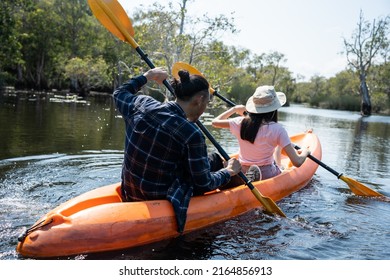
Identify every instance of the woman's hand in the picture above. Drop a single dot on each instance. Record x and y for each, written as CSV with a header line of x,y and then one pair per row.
x,y
240,109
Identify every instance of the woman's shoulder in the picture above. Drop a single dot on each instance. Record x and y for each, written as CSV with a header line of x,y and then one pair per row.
x,y
276,125
236,120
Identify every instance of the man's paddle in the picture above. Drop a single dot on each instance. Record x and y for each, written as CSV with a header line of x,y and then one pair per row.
x,y
111,14
356,187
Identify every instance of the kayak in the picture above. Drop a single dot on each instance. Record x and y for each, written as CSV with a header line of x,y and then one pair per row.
x,y
98,220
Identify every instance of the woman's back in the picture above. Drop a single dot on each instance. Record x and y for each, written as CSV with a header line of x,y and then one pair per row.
x,y
269,136
259,133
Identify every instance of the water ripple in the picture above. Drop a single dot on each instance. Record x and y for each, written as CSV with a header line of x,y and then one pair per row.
x,y
31,186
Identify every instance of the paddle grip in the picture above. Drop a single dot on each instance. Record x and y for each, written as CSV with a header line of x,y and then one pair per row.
x,y
231,103
145,58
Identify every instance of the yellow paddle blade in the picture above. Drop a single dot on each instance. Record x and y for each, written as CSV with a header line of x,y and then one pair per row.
x,y
191,69
358,188
269,205
184,66
113,17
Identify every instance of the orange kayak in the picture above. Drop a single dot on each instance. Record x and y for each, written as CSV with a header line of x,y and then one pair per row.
x,y
99,221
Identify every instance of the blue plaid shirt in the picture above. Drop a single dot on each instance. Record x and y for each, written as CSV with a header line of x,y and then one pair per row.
x,y
165,154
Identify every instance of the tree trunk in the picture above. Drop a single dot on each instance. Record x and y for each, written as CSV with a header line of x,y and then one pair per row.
x,y
365,109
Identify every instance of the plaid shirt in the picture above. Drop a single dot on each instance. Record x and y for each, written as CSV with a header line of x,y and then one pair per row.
x,y
165,154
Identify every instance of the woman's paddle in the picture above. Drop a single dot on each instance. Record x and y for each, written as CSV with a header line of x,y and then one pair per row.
x,y
356,187
111,14
192,70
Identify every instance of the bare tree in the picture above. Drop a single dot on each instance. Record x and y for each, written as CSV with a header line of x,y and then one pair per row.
x,y
275,60
369,41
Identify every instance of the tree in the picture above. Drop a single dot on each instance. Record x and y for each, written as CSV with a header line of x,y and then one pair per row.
x,y
381,88
342,91
274,60
74,25
11,12
174,36
87,73
369,41
40,47
317,90
255,66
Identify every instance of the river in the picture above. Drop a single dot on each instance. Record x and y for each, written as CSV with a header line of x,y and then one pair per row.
x,y
53,149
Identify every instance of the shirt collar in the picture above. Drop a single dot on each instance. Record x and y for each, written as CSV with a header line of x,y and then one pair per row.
x,y
176,107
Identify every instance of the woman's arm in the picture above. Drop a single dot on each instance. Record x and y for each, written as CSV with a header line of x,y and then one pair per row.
x,y
222,120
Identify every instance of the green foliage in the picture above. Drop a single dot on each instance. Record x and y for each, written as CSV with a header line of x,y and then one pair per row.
x,y
49,44
381,103
242,87
379,85
11,12
40,48
86,73
157,31
349,103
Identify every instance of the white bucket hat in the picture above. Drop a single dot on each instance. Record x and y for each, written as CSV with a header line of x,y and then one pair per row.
x,y
265,100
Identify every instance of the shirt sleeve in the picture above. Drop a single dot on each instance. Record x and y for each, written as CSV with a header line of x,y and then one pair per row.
x,y
235,126
284,139
124,96
203,179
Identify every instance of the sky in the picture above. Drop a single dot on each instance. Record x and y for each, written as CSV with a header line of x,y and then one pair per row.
x,y
308,32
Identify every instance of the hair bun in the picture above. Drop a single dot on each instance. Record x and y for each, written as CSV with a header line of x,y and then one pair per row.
x,y
184,76
188,85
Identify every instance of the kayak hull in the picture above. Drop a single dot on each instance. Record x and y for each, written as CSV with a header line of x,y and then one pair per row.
x,y
98,220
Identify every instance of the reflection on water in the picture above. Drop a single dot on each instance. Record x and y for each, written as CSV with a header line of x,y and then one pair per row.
x,y
51,152
28,128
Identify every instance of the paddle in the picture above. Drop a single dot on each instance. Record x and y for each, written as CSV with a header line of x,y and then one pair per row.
x,y
356,187
113,17
110,13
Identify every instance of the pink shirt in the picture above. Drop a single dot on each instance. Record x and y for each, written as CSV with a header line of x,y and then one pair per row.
x,y
261,151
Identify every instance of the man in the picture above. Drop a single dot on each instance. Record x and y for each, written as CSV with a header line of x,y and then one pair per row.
x,y
165,152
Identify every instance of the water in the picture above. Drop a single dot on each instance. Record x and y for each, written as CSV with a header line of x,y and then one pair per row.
x,y
51,152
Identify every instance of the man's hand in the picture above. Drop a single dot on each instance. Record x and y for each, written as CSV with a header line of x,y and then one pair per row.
x,y
157,74
233,166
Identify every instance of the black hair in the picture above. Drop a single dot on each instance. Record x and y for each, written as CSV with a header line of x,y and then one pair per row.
x,y
188,85
252,122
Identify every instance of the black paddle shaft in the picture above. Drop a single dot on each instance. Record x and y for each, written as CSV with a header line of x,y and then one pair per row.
x,y
216,93
321,163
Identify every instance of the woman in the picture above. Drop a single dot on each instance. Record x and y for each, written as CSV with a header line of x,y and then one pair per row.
x,y
261,138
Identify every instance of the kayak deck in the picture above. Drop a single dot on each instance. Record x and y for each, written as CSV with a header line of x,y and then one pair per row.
x,y
99,221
